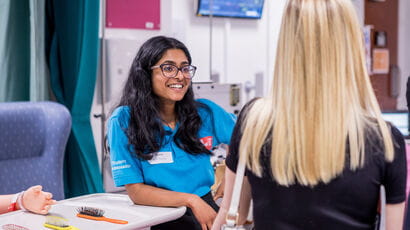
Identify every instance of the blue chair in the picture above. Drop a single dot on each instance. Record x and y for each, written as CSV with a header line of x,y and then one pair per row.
x,y
33,136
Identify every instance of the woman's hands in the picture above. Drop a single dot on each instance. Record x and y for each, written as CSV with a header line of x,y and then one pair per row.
x,y
37,201
204,213
149,195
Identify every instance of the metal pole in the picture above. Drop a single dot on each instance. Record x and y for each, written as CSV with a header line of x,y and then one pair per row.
x,y
102,89
211,6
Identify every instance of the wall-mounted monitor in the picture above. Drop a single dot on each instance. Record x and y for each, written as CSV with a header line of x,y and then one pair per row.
x,y
400,119
231,8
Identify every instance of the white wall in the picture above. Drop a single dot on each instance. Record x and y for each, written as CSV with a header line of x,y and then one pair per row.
x,y
241,47
359,5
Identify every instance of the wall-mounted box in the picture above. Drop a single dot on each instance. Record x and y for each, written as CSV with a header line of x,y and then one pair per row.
x,y
133,14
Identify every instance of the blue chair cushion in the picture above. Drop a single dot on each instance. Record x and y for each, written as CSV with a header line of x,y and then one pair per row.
x,y
33,136
23,131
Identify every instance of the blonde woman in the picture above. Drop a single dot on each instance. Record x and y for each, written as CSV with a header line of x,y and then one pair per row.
x,y
316,149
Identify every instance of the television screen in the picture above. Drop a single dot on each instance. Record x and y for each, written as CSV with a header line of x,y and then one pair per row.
x,y
400,119
231,8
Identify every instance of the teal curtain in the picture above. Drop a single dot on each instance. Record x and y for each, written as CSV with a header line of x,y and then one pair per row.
x,y
23,69
39,75
73,56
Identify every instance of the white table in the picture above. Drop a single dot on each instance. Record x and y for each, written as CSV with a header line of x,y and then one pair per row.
x,y
117,206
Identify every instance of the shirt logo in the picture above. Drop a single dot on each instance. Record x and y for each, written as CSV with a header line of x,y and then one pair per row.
x,y
121,164
207,141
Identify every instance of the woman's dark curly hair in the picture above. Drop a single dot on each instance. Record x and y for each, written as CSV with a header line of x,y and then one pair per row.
x,y
145,131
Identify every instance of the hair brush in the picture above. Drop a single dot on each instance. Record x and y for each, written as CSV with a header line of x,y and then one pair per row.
x,y
97,214
58,223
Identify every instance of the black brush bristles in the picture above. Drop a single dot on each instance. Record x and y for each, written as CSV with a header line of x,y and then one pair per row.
x,y
90,211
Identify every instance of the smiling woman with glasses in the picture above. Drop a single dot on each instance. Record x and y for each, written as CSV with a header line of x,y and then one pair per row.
x,y
160,137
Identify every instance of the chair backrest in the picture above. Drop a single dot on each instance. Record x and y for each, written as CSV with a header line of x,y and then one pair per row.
x,y
33,136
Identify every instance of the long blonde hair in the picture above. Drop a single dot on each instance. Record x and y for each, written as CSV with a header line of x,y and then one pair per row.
x,y
321,98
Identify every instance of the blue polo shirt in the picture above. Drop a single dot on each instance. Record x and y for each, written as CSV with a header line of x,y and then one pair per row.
x,y
172,168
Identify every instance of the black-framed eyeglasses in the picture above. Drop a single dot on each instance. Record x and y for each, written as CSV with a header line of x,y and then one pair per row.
x,y
171,70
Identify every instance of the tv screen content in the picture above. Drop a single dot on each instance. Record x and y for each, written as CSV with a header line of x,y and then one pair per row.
x,y
400,119
231,8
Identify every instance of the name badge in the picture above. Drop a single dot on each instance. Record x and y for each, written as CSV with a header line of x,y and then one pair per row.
x,y
161,158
